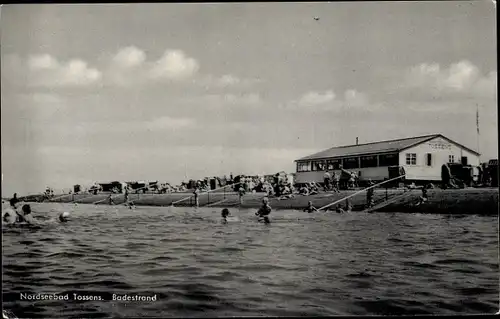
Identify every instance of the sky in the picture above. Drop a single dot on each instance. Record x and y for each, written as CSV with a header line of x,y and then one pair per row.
x,y
174,91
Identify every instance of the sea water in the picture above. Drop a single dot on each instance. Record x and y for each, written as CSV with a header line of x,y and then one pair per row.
x,y
299,265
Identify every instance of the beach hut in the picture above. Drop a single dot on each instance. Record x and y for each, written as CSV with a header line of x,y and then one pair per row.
x,y
420,157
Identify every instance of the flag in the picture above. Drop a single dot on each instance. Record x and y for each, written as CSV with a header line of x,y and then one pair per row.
x,y
477,120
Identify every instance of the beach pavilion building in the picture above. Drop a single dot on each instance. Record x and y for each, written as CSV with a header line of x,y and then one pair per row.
x,y
419,157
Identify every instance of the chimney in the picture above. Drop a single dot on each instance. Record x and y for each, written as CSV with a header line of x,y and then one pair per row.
x,y
357,140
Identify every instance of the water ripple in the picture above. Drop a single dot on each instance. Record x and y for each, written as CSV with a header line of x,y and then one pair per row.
x,y
322,265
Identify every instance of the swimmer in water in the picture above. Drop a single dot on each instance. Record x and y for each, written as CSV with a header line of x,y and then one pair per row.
x,y
264,211
27,217
340,210
310,208
130,205
225,213
11,215
14,200
63,217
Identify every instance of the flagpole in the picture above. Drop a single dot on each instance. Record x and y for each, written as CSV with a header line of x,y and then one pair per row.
x,y
477,129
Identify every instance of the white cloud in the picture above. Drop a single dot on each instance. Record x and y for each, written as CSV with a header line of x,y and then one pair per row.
x,y
43,70
43,61
129,57
328,101
353,98
224,82
174,64
225,100
460,77
166,123
228,80
129,66
245,99
316,98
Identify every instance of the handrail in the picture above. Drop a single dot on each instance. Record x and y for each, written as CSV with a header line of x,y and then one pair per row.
x,y
59,197
209,191
359,192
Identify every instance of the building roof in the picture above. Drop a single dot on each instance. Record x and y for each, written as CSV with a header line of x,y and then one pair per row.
x,y
389,146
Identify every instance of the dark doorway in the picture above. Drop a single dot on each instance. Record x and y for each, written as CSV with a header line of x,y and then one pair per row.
x,y
464,160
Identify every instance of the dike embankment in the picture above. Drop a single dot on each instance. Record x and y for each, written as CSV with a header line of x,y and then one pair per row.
x,y
481,201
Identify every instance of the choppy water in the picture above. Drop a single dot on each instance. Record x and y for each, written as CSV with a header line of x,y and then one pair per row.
x,y
301,264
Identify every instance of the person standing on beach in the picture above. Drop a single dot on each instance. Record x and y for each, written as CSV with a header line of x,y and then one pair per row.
x,y
326,180
445,176
335,182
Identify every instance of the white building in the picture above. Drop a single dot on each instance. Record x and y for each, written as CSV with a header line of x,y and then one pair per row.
x,y
421,158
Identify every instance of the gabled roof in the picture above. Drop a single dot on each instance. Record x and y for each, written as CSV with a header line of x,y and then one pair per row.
x,y
389,146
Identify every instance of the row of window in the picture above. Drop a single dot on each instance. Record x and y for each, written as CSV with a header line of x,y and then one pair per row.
x,y
365,162
350,163
411,159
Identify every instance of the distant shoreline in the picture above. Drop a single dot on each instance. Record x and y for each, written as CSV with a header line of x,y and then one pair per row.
x,y
481,201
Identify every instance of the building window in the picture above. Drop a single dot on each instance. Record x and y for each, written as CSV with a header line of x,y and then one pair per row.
x,y
368,161
429,159
350,162
451,158
318,165
411,159
464,160
388,160
333,164
303,166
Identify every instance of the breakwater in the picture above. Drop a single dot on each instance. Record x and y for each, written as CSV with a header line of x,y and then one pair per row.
x,y
483,201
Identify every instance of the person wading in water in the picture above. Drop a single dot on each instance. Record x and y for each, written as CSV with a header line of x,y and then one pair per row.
x,y
310,208
196,193
264,211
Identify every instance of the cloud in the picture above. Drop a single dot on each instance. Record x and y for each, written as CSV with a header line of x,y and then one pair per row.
x,y
328,101
243,99
459,78
228,80
129,66
169,123
129,57
353,98
45,71
43,61
174,64
223,100
316,98
225,81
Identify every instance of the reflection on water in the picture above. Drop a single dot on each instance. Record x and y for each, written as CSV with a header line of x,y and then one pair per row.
x,y
301,264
